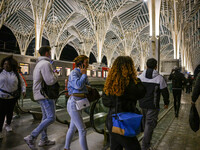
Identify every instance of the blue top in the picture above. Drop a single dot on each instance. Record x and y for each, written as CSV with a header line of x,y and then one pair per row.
x,y
77,82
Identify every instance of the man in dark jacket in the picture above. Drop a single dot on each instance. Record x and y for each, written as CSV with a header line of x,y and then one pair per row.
x,y
196,91
178,80
155,84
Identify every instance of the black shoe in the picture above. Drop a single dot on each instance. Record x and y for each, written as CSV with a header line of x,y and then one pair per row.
x,y
176,115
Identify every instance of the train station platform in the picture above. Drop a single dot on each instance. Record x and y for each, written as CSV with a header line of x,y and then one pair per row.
x,y
170,134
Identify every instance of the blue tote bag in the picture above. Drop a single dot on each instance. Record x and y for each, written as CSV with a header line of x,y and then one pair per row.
x,y
126,123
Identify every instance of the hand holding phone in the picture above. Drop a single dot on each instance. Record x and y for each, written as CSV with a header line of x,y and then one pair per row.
x,y
83,69
56,71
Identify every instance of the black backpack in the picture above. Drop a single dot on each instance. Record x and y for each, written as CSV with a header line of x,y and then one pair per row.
x,y
50,91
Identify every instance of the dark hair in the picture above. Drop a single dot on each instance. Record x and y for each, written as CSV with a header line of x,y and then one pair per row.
x,y
79,60
151,63
12,62
44,49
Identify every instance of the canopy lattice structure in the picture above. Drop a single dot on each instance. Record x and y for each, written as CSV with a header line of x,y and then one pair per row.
x,y
108,27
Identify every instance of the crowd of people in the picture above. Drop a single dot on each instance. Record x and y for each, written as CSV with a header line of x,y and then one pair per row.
x,y
123,88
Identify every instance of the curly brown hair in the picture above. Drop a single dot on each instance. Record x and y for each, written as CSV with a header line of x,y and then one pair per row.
x,y
120,75
79,60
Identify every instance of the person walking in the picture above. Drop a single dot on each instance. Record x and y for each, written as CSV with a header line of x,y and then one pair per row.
x,y
11,87
77,89
155,84
196,90
189,83
178,80
122,88
16,109
43,72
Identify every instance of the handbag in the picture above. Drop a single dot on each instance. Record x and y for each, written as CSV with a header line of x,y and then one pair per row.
x,y
194,118
83,103
93,94
126,123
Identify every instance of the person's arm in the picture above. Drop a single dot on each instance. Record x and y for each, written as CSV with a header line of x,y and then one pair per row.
x,y
48,75
164,91
170,76
184,80
78,81
165,94
196,90
107,101
23,85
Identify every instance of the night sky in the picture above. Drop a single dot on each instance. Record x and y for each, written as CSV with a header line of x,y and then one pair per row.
x,y
8,43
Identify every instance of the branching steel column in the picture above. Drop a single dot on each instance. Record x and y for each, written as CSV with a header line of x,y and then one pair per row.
x,y
40,10
154,18
175,32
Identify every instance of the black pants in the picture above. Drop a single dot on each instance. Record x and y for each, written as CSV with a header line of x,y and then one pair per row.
x,y
177,99
6,110
118,142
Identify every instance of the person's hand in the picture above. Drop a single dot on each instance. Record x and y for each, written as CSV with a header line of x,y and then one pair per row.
x,y
83,69
193,103
24,94
56,71
165,106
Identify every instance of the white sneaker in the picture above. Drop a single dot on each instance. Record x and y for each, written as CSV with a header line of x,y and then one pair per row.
x,y
1,135
30,141
8,128
46,143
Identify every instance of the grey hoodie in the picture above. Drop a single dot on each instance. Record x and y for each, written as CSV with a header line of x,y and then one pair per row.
x,y
43,71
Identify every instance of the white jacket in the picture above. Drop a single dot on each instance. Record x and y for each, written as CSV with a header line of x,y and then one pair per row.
x,y
9,83
43,71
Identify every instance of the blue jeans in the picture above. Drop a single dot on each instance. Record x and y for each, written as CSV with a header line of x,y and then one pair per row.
x,y
48,117
76,123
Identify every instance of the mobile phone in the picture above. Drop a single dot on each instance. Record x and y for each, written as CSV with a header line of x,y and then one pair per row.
x,y
80,64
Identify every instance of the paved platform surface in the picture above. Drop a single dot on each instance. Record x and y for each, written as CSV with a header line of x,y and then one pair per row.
x,y
171,133
179,136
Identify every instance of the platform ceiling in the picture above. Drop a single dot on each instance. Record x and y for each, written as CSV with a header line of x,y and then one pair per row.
x,y
122,26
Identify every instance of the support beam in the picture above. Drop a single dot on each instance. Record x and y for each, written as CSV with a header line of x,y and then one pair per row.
x,y
154,18
40,10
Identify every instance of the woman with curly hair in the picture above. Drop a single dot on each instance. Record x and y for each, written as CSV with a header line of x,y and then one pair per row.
x,y
122,85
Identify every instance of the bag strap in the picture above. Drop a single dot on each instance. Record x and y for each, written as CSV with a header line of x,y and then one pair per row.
x,y
5,92
116,104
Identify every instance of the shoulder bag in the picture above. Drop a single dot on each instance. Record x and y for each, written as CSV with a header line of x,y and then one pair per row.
x,y
82,104
50,91
126,123
93,94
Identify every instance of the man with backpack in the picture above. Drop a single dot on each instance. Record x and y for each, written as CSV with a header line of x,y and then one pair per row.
x,y
178,80
43,72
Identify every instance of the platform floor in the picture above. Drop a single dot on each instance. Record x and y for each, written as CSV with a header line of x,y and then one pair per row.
x,y
171,133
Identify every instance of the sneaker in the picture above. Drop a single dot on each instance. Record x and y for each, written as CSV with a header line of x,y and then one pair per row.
x,y
30,141
16,117
46,143
8,128
1,135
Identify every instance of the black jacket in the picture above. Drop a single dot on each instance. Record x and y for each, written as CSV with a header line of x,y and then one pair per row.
x,y
155,85
196,90
125,103
178,80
